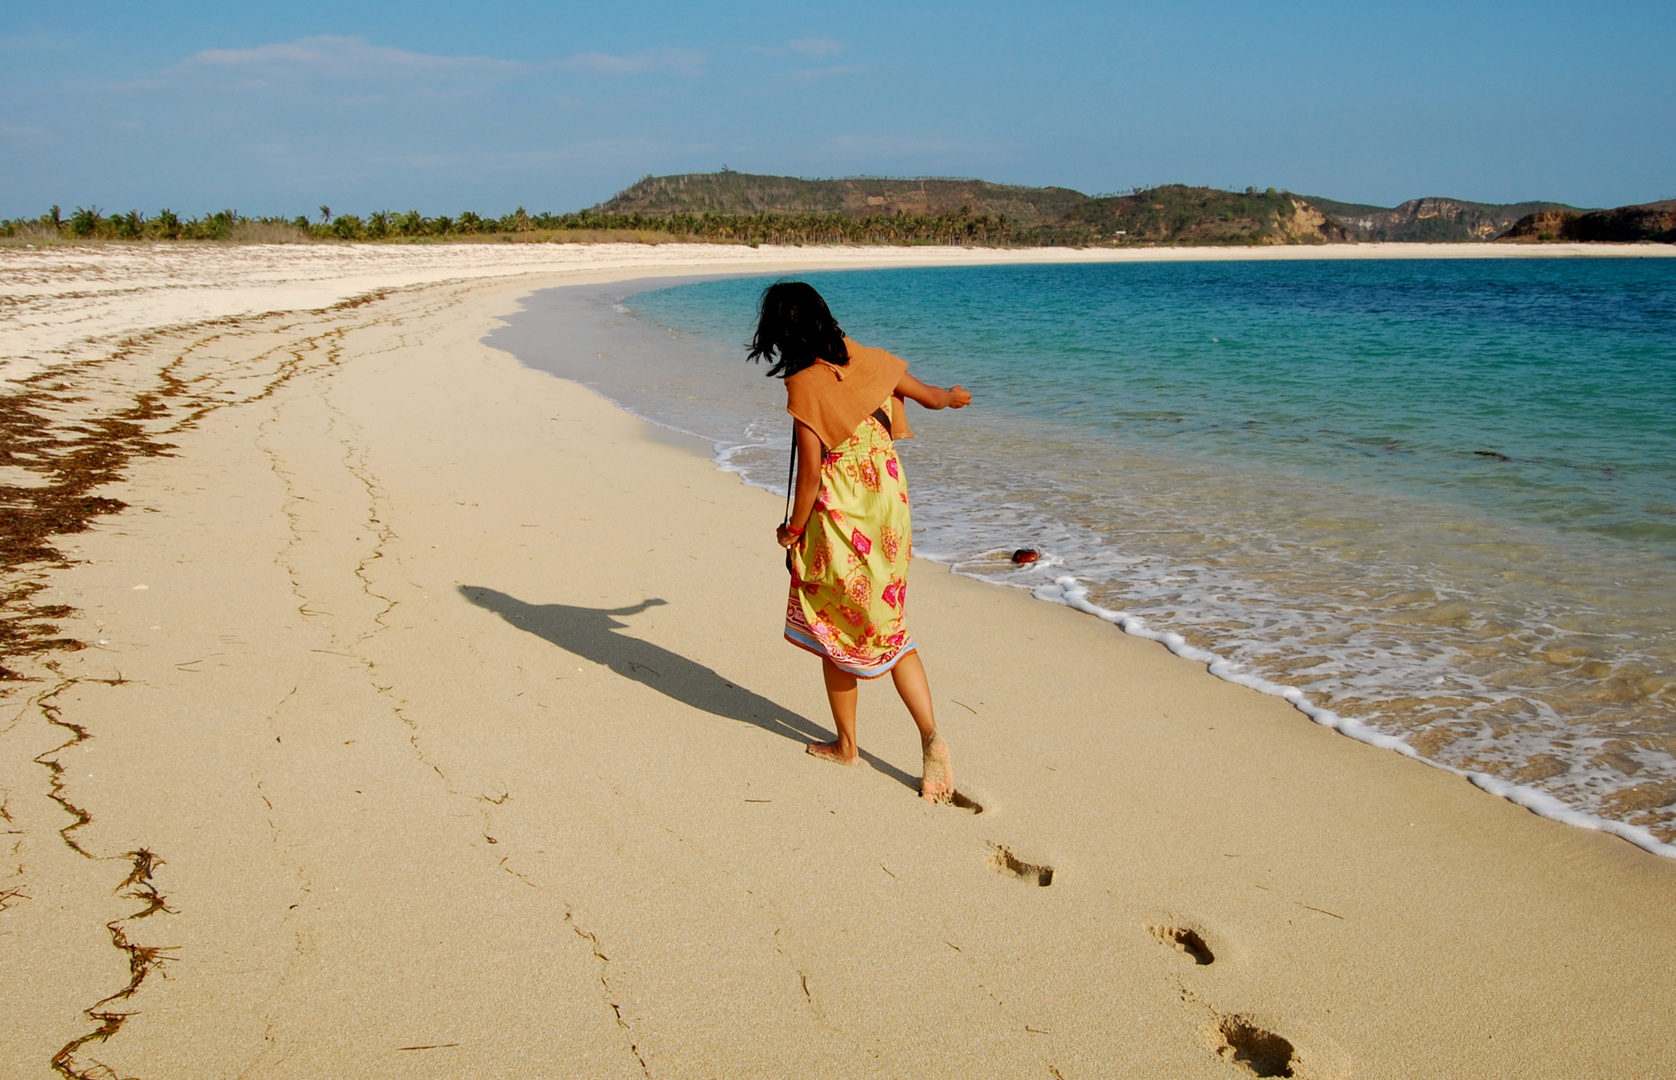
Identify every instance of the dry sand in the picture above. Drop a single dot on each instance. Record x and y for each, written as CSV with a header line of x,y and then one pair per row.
x,y
435,721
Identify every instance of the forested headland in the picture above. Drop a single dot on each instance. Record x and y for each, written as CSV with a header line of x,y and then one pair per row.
x,y
742,208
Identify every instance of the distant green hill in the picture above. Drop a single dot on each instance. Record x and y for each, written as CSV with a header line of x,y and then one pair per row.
x,y
1172,213
1179,214
743,208
854,197
1167,214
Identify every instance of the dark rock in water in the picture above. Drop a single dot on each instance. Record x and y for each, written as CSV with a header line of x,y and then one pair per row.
x,y
1026,555
1496,455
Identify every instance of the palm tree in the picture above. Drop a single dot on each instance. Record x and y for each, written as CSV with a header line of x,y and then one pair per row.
x,y
86,220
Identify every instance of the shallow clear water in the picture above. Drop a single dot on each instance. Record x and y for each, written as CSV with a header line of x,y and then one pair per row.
x,y
1437,496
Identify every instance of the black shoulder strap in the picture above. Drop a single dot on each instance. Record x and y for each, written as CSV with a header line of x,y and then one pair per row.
x,y
791,472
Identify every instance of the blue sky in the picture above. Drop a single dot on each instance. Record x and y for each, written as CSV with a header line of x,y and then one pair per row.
x,y
442,107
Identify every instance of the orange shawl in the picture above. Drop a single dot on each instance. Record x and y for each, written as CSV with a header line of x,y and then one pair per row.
x,y
834,400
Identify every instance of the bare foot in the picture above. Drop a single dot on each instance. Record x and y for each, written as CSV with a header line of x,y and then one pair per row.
x,y
938,783
828,751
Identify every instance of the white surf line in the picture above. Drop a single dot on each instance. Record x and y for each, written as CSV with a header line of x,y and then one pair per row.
x,y
1067,590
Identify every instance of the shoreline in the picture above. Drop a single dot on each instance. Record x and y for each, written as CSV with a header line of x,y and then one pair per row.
x,y
1069,591
237,281
390,821
1366,248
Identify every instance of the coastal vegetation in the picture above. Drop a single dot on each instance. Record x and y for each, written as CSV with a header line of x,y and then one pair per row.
x,y
1166,214
742,208
1179,214
91,223
1160,214
730,193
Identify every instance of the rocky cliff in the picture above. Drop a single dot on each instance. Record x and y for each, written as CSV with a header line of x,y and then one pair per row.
x,y
1430,220
1655,221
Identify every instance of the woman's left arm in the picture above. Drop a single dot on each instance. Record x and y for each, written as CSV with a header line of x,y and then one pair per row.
x,y
932,397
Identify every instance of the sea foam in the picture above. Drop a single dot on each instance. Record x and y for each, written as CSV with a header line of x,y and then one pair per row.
x,y
1068,591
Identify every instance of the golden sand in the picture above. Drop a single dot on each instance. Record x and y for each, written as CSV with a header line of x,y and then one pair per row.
x,y
405,743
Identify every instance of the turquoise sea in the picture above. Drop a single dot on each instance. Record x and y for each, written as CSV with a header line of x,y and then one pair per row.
x,y
1433,502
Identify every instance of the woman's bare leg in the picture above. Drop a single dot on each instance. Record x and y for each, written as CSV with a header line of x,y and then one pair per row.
x,y
841,695
915,689
937,783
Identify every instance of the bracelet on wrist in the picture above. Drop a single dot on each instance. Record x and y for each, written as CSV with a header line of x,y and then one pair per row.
x,y
793,530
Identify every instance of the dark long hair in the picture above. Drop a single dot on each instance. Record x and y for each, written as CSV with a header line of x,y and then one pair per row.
x,y
794,329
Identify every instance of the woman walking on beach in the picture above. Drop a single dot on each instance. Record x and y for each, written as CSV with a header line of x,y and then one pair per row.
x,y
849,532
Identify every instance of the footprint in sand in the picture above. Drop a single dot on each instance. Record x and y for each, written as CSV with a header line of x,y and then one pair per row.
x,y
1235,1037
1004,861
1263,1053
1186,939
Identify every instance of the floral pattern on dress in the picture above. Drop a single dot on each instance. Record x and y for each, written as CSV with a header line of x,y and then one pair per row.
x,y
849,586
821,561
859,588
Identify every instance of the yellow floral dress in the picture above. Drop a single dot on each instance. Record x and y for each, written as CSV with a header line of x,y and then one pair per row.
x,y
849,579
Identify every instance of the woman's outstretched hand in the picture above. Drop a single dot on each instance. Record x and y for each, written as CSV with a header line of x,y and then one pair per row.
x,y
933,397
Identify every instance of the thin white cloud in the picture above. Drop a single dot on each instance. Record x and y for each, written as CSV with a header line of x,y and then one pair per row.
x,y
354,59
677,61
38,45
816,47
26,133
836,71
344,57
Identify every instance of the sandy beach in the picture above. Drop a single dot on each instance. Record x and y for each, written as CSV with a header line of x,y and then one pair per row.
x,y
433,719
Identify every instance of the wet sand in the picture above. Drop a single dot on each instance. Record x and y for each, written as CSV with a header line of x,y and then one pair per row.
x,y
434,720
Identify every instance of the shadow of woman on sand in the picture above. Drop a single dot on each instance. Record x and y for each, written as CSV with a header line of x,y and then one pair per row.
x,y
592,633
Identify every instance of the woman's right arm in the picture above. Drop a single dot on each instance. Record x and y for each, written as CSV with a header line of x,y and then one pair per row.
x,y
809,459
932,397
